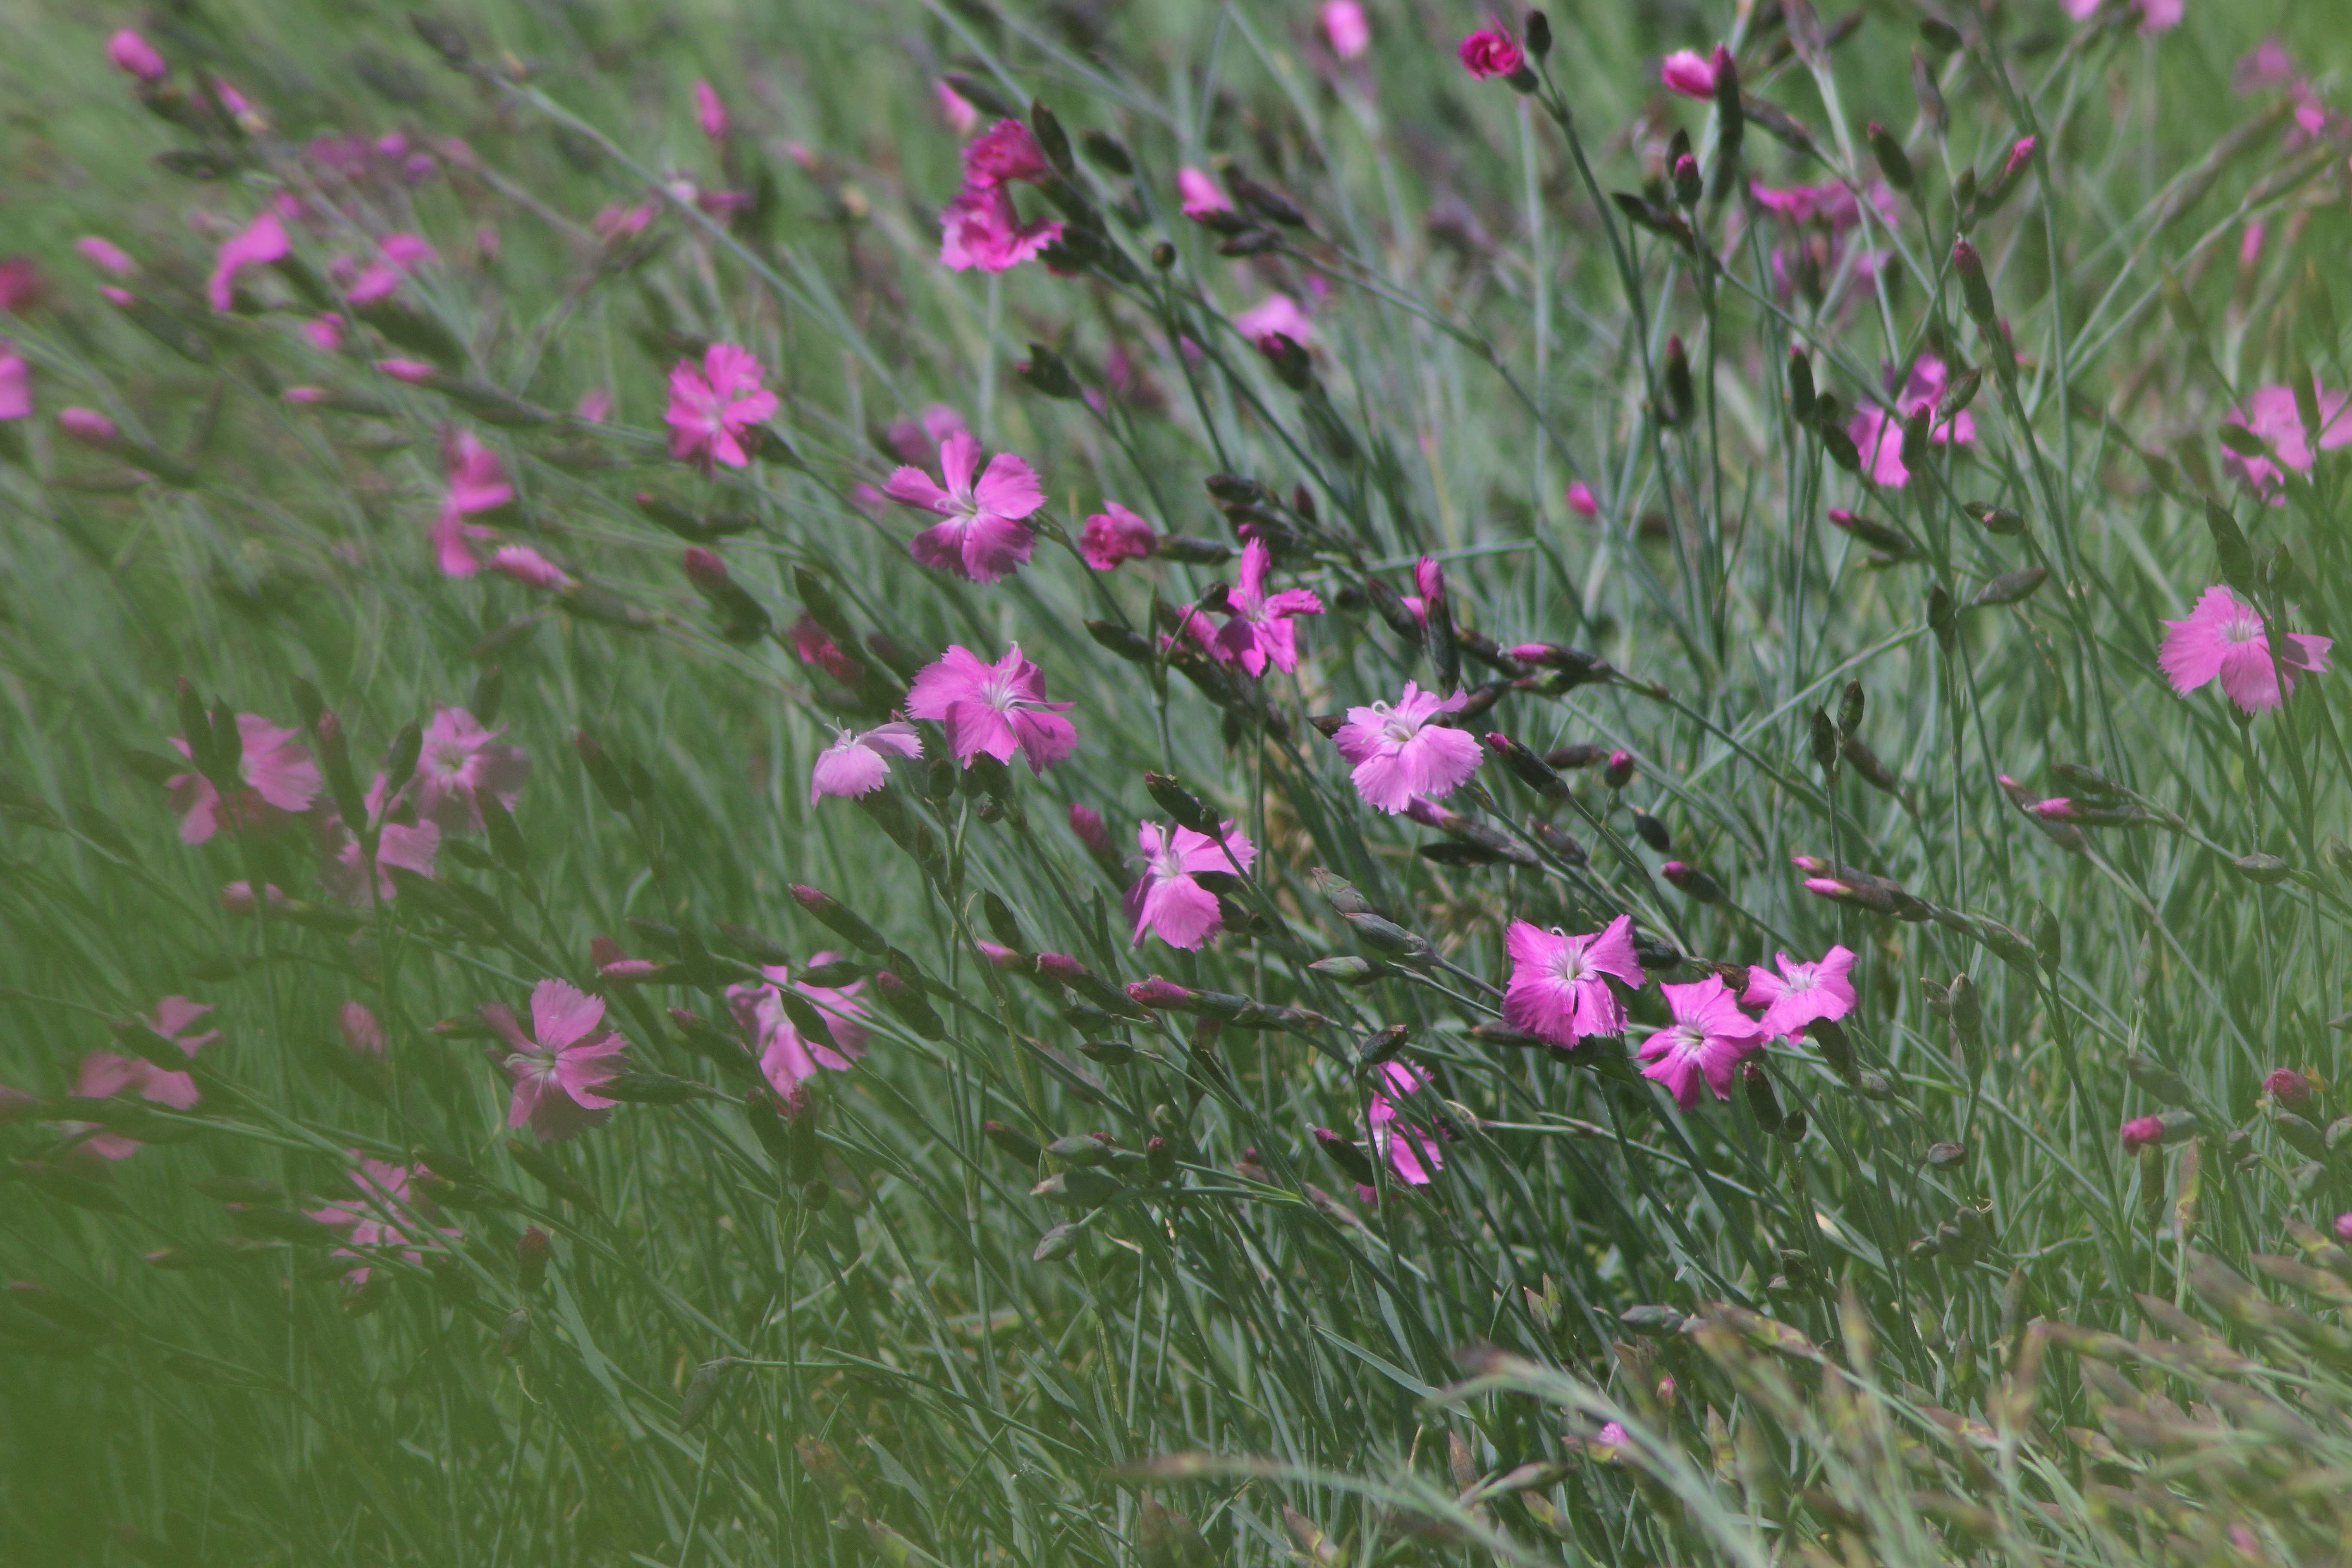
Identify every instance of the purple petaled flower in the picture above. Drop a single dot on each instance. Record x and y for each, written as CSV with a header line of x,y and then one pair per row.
x,y
859,764
1168,901
1257,629
1115,534
135,56
476,481
997,708
1801,992
401,255
983,537
1559,989
1276,315
2020,152
104,1074
1346,29
16,384
1877,434
1708,1039
1581,500
713,407
375,1220
463,764
709,113
1399,754
402,844
1689,73
981,227
2142,1132
1410,1150
1491,52
560,1065
1199,193
281,782
2224,639
2270,414
258,244
786,1056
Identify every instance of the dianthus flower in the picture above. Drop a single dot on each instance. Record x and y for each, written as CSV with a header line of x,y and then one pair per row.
x,y
476,481
104,1074
1398,753
1559,989
462,764
560,1065
1275,315
2223,639
279,776
712,407
135,56
997,708
1345,25
1707,1040
1491,52
1411,1150
1877,435
2270,414
1689,73
401,844
1257,629
1801,992
982,537
1199,192
859,764
374,1218
1168,901
258,244
786,1056
1115,534
981,227
400,255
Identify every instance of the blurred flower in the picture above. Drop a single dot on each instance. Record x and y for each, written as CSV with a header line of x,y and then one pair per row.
x,y
1345,25
1559,989
407,372
2265,65
1689,73
1086,824
2142,1132
134,56
527,566
1491,52
1428,589
983,537
20,284
994,707
2270,412
859,764
960,115
462,762
1877,434
1708,1039
2223,639
709,113
1257,629
1275,314
711,407
2155,15
88,427
476,482
279,773
1581,500
1167,901
614,224
104,1074
1410,1150
594,407
324,334
1399,754
361,1031
2344,1227
1199,192
981,228
106,254
374,1219
1111,535
405,845
258,244
401,254
1801,992
558,1068
16,384
786,1056
813,647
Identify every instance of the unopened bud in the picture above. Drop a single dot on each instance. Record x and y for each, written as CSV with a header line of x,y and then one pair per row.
x,y
906,1003
533,1248
1701,888
845,922
1619,773
1016,1144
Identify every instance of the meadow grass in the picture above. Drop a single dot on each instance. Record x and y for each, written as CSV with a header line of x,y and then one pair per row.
x,y
1908,1295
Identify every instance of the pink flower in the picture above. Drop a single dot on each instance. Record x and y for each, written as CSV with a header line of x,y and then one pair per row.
x,y
400,846
324,334
2266,65
104,1074
1199,193
1005,151
106,254
960,114
2223,638
2270,412
994,707
2155,15
2288,1087
785,1055
1878,434
279,773
1429,589
88,427
983,537
1398,753
712,407
1491,52
2344,1227
981,228
407,372
1257,627
1581,500
1410,1150
258,244
558,1068
2142,1132
1112,536
527,566
1559,987
16,385
1689,73
1708,1039
360,1030
810,642
615,224
401,255
134,56
374,1218
595,406
857,765
477,482
1801,992
1167,901
1344,24
709,113
461,765
1275,314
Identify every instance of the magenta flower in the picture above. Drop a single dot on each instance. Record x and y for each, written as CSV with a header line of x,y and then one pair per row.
x,y
360,1028
711,409
1345,25
857,765
1877,435
1398,753
1199,194
1257,629
955,108
2142,1132
2270,412
2155,15
88,427
1689,73
785,1055
106,254
258,244
558,1068
915,439
374,1218
2223,639
983,537
709,113
135,56
1708,1039
1801,992
812,646
1005,152
1581,500
521,564
463,764
104,1074
1428,588
280,775
2288,1087
1560,984
1275,315
405,845
981,228
997,708
476,482
16,384
1491,52
616,224
1167,901
402,254
1410,1150
2342,1227
1115,534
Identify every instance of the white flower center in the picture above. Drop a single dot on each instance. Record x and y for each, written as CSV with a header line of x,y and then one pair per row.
x,y
2241,627
1571,967
1801,979
1687,1039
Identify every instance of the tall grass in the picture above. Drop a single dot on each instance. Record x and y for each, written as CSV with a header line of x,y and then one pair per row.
x,y
1908,1297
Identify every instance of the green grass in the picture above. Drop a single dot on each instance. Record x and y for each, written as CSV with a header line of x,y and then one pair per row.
x,y
2073,1370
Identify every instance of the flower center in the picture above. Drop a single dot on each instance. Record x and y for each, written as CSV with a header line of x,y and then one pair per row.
x,y
2242,628
1803,979
1689,1039
1571,967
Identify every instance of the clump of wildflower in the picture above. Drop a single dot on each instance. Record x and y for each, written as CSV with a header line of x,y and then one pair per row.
x,y
1559,989
280,777
715,407
998,708
1399,753
1708,1039
982,536
1168,901
859,762
2223,639
558,1068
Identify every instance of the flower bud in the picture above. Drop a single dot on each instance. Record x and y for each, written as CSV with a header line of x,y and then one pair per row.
x,y
1975,292
906,1003
90,428
1159,995
1702,887
1620,769
1346,1154
1525,766
2289,1087
1763,1103
1893,162
844,921
1016,1144
703,1389
1181,805
532,1250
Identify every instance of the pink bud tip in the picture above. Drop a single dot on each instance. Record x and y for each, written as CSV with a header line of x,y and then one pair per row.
x,y
2343,1221
1581,500
88,427
999,956
2288,1087
361,1031
1826,887
2142,1132
529,567
1157,993
2020,155
134,56
706,569
106,255
629,971
415,373
1060,967
306,395
2058,808
1087,823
